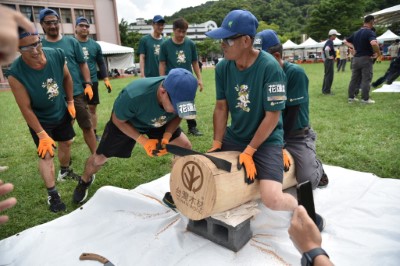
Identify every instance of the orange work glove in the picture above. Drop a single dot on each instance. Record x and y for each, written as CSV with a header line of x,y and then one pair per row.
x,y
89,91
165,140
216,146
46,144
286,160
246,159
108,85
149,145
71,109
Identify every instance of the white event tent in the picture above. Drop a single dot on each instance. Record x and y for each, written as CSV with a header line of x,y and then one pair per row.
x,y
117,56
387,36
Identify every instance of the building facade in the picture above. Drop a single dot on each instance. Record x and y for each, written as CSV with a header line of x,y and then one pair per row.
x,y
102,15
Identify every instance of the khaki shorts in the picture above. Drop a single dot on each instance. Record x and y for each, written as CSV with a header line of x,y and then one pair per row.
x,y
82,111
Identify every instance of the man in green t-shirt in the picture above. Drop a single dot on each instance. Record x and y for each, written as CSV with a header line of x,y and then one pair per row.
x,y
251,89
42,87
152,107
299,137
180,51
149,49
77,66
94,57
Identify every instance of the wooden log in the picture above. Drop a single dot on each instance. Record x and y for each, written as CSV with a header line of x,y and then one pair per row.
x,y
200,189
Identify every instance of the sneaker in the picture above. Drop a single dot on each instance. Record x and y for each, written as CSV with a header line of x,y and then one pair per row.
x,y
352,100
63,175
81,190
195,132
369,101
56,205
320,222
169,201
328,93
98,138
324,181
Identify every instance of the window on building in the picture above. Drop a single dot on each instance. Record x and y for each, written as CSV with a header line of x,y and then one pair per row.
x,y
36,11
27,11
66,15
89,14
79,13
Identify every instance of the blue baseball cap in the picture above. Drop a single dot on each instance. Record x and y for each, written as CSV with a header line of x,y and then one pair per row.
x,y
158,19
47,12
236,22
266,39
81,19
181,86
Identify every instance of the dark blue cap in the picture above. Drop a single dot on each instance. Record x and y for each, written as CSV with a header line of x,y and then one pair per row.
x,y
81,19
158,19
47,12
266,39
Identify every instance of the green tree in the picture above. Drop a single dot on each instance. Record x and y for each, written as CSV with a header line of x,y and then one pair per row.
x,y
208,48
130,39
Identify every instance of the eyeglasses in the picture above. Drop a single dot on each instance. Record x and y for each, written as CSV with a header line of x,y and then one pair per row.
x,y
84,26
30,47
231,40
51,22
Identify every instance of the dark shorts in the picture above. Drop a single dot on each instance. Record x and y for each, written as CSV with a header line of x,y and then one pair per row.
x,y
82,111
114,143
96,99
268,160
59,131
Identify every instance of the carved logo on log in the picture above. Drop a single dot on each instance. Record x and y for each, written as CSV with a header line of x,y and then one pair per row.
x,y
192,176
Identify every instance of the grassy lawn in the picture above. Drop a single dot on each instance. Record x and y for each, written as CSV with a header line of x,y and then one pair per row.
x,y
355,136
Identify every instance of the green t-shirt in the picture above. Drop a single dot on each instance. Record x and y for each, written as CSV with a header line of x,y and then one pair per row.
x,y
249,94
178,55
74,56
138,104
45,87
150,47
297,92
92,54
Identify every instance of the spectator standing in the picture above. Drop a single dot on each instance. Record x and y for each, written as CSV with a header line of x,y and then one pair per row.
x,y
366,48
42,87
394,49
329,54
343,50
94,58
77,66
299,137
180,52
149,49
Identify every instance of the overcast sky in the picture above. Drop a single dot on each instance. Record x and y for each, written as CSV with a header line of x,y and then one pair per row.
x,y
130,10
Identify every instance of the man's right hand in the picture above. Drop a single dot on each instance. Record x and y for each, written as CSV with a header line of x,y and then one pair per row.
x,y
149,145
46,144
216,146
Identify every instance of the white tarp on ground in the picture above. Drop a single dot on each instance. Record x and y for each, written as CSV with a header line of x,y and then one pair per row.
x,y
117,56
394,87
133,227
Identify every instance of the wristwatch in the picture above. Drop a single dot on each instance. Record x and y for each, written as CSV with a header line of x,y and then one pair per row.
x,y
308,257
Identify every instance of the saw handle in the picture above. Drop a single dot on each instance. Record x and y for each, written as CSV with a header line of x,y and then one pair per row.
x,y
93,256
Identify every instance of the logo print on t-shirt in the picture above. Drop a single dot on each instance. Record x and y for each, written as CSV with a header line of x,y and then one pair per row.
x,y
156,49
85,53
159,122
243,97
52,88
181,58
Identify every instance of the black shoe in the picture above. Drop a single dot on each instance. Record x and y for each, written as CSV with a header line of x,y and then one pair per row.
x,y
328,93
81,190
320,222
56,205
169,201
324,181
195,132
63,175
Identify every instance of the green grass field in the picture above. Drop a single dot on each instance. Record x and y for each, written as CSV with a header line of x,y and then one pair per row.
x,y
354,136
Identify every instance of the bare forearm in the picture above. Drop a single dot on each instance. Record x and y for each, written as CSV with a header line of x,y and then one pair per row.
x,y
265,129
173,125
85,72
220,119
125,127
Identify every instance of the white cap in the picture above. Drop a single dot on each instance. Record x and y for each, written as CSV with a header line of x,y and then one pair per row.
x,y
333,32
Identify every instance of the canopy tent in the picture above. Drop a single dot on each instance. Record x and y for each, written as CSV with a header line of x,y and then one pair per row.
x,y
117,56
388,36
388,15
309,43
289,45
